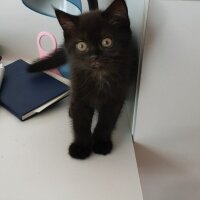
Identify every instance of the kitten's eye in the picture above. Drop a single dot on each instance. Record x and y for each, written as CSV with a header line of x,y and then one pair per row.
x,y
82,46
107,42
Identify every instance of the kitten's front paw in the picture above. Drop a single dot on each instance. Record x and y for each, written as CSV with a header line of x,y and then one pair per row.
x,y
78,151
102,147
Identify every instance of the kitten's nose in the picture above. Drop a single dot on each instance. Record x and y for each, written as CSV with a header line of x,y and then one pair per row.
x,y
93,57
94,63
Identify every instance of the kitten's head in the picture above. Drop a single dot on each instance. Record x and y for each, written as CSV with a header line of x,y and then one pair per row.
x,y
96,41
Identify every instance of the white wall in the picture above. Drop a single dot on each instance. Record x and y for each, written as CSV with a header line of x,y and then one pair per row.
x,y
19,29
20,25
167,132
137,13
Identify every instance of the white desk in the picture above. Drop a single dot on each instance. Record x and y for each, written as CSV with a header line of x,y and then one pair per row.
x,y
34,163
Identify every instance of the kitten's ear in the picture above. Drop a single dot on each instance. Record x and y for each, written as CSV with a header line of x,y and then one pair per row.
x,y
68,22
117,11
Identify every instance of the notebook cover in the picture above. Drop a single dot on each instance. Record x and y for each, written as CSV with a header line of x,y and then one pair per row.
x,y
22,92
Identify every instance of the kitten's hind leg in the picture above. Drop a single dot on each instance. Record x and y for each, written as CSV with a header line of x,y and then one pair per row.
x,y
81,148
107,119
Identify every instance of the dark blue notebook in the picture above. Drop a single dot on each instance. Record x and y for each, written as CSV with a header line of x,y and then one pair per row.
x,y
25,94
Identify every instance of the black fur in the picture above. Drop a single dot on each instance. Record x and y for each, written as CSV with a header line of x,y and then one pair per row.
x,y
55,59
101,76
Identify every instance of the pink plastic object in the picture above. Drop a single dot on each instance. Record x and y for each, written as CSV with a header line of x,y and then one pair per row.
x,y
42,52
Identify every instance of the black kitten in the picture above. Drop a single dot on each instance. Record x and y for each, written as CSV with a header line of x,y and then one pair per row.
x,y
103,58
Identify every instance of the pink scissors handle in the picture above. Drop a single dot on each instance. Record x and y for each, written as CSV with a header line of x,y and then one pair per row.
x,y
42,52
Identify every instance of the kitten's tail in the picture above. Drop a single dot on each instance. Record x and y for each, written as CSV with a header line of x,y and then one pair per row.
x,y
54,60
